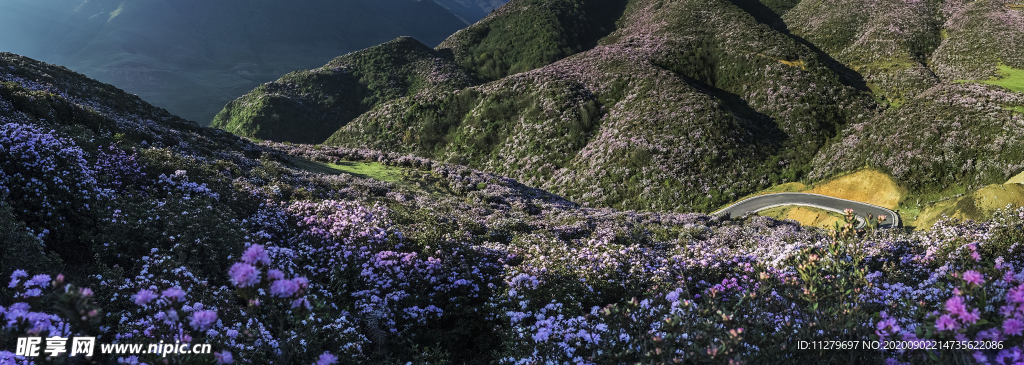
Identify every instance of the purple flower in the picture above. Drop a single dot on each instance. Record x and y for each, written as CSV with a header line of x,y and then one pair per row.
x,y
971,317
16,276
945,323
144,296
223,357
1016,295
890,324
7,357
991,334
301,302
955,305
283,288
256,254
974,277
41,280
1010,355
275,274
1013,326
202,320
301,281
174,294
327,359
244,275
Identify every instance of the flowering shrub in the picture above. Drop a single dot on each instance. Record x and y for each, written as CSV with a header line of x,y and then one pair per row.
x,y
48,174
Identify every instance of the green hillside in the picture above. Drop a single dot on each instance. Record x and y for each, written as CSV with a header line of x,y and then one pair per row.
x,y
307,106
887,42
527,34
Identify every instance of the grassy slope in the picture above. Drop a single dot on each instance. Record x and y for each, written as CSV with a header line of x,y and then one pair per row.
x,y
916,210
1010,78
864,185
669,102
977,205
370,170
307,106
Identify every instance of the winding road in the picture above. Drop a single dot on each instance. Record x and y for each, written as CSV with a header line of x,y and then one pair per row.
x,y
762,202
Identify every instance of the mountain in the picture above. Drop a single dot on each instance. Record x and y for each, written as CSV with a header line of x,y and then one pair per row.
x,y
191,57
625,104
687,105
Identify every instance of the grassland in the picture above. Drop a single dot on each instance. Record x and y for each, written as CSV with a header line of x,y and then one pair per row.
x,y
866,185
1018,179
1010,78
370,170
916,210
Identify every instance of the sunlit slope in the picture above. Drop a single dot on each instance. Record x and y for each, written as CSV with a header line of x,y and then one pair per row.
x,y
978,205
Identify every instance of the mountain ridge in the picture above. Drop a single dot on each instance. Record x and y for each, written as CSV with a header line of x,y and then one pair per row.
x,y
686,105
192,57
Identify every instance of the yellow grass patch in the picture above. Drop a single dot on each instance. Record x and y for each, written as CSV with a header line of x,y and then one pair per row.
x,y
797,63
978,205
804,215
866,186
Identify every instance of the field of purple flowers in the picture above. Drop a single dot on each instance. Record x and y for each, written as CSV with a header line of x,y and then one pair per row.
x,y
119,221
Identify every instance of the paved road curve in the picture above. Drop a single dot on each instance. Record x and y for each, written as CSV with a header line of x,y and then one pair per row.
x,y
762,202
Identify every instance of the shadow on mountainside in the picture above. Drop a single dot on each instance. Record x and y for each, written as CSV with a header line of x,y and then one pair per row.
x,y
765,129
765,15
